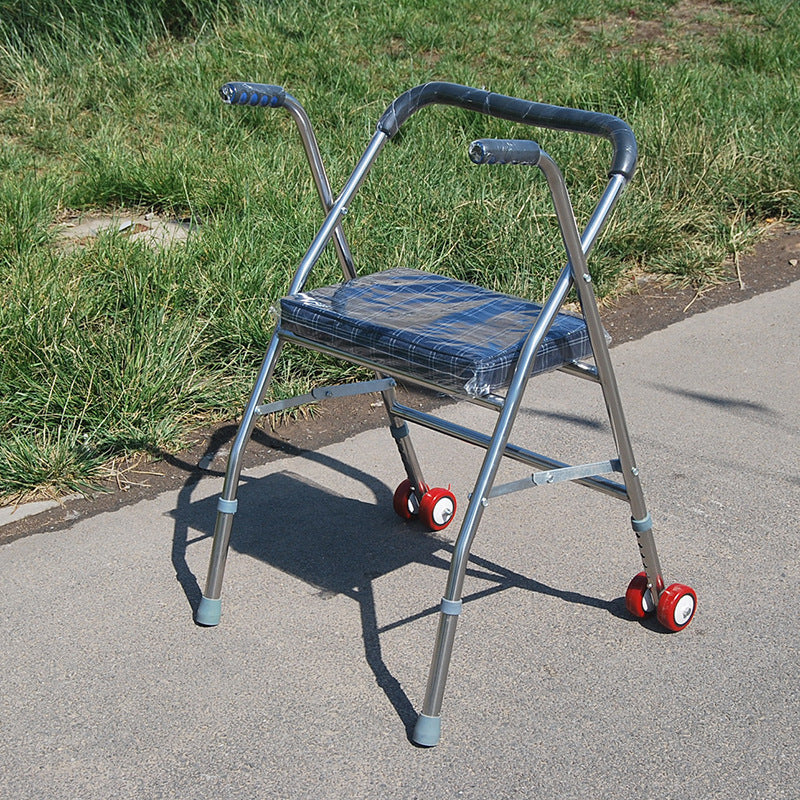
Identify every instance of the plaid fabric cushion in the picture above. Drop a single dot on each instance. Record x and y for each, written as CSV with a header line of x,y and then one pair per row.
x,y
461,337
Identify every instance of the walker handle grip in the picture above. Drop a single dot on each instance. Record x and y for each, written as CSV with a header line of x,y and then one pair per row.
x,y
525,111
238,93
504,151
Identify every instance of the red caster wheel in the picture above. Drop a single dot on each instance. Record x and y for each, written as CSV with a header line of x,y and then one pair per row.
x,y
437,508
638,598
405,500
676,606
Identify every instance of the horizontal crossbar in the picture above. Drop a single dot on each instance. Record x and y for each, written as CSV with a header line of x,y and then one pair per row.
x,y
327,392
512,451
551,476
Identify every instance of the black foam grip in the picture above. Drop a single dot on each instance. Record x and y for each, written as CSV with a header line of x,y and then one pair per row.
x,y
504,151
517,110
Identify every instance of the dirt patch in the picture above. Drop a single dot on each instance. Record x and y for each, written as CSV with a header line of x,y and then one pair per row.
x,y
80,228
687,20
773,264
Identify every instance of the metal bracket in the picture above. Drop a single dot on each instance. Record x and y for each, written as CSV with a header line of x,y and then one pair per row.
x,y
327,392
551,476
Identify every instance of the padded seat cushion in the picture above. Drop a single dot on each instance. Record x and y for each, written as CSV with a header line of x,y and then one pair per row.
x,y
458,336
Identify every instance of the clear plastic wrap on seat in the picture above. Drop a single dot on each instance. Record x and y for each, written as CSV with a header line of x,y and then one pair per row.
x,y
461,337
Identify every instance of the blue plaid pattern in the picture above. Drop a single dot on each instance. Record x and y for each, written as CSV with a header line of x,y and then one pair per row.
x,y
461,337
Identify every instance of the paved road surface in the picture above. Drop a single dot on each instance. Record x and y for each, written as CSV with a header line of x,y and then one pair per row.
x,y
308,687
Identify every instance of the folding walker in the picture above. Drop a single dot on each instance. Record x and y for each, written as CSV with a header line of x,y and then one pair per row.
x,y
460,339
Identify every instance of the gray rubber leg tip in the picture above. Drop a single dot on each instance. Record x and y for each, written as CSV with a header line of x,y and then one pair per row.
x,y
427,731
208,612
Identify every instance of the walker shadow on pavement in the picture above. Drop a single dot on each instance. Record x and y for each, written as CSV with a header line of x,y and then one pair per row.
x,y
340,545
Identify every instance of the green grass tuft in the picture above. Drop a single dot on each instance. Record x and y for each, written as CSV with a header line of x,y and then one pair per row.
x,y
114,347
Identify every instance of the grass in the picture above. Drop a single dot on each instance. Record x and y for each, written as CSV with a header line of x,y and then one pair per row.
x,y
116,348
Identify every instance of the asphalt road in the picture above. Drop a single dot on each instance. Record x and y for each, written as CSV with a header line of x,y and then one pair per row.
x,y
307,689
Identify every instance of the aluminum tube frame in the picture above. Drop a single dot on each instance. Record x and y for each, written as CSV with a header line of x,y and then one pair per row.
x,y
580,369
583,281
576,248
602,211
497,446
320,181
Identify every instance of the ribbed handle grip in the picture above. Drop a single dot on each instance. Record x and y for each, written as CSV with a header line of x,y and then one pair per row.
x,y
238,93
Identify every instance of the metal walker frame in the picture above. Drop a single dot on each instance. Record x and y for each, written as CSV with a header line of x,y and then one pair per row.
x,y
646,593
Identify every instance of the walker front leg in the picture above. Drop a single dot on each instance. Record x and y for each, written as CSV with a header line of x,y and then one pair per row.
x,y
427,730
210,608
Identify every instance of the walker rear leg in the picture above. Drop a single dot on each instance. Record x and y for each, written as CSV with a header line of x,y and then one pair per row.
x,y
644,591
676,604
413,497
402,438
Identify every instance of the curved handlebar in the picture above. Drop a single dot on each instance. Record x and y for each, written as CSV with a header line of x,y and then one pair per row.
x,y
511,108
504,151
237,93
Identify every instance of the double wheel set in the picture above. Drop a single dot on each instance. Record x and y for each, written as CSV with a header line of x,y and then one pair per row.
x,y
674,608
436,507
